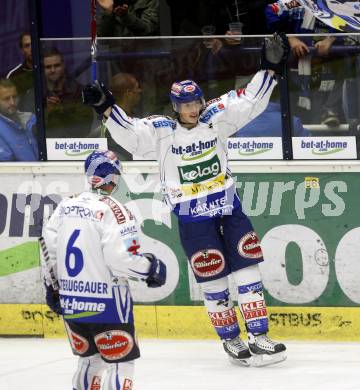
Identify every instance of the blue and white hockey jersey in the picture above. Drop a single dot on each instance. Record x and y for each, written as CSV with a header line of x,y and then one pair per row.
x,y
194,172
93,247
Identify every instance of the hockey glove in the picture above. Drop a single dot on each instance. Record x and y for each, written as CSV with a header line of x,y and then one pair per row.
x,y
53,299
275,53
157,273
98,96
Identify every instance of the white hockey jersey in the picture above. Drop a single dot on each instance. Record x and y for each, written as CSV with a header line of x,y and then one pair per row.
x,y
194,172
93,245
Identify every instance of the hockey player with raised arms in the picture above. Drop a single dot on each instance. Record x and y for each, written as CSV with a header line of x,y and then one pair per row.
x,y
90,250
217,237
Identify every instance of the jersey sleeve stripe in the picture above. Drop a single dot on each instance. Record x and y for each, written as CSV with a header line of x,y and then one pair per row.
x,y
266,74
114,117
120,115
269,85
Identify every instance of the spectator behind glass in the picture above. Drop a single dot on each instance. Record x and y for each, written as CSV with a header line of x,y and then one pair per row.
x,y
65,115
268,124
128,18
127,92
17,141
320,79
21,75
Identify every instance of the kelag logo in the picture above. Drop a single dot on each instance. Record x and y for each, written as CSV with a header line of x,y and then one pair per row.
x,y
250,148
196,173
324,147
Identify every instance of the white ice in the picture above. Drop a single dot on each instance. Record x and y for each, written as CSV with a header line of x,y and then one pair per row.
x,y
39,364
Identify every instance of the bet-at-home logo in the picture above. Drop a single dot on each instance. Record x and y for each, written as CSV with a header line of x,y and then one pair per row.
x,y
196,173
195,151
324,147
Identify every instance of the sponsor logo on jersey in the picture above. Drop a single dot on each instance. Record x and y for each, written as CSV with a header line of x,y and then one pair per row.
x,y
225,318
254,309
208,262
78,343
249,246
213,208
130,214
115,208
251,288
132,246
212,111
128,384
96,383
128,230
175,192
195,151
202,171
164,123
114,344
155,116
70,305
218,182
212,101
81,212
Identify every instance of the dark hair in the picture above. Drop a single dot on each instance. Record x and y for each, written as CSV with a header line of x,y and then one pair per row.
x,y
51,52
22,35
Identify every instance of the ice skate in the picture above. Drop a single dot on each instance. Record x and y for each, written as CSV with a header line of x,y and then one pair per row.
x,y
265,351
238,351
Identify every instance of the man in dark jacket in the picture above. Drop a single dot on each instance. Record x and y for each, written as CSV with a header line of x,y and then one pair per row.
x,y
129,18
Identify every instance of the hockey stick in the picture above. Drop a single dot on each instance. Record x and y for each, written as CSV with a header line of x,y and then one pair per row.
x,y
45,258
93,41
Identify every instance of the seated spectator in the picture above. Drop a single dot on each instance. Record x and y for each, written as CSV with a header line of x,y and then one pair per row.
x,y
268,124
127,93
65,115
17,141
128,18
21,75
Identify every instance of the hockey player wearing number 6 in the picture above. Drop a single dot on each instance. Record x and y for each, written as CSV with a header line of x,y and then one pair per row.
x,y
90,250
216,235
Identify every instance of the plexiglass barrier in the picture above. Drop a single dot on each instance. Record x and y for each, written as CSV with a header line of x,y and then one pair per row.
x,y
321,89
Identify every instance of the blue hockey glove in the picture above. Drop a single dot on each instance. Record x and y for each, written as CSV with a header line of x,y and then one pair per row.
x,y
157,273
53,299
98,96
275,52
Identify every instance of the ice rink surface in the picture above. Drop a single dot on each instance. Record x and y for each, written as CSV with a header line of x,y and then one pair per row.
x,y
39,364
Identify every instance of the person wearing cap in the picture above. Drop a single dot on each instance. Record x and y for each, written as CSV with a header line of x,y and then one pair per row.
x,y
217,237
91,249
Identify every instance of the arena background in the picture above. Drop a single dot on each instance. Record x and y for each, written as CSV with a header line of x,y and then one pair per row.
x,y
310,273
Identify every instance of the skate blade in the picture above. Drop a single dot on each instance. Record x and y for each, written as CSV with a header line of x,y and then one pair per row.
x,y
240,362
267,360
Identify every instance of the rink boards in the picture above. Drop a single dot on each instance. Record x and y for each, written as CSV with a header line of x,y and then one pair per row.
x,y
191,322
305,214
